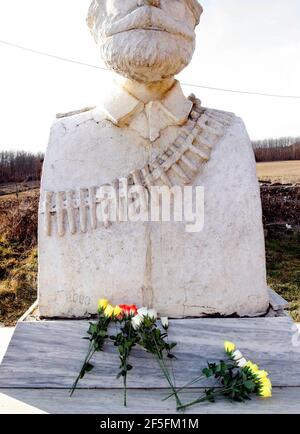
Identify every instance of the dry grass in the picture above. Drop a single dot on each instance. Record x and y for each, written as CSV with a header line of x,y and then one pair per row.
x,y
18,218
279,171
12,188
283,265
18,281
18,255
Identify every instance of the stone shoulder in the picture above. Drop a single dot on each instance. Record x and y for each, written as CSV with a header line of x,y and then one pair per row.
x,y
67,121
236,125
218,111
76,118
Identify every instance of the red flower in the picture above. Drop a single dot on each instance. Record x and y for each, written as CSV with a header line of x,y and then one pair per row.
x,y
129,310
133,309
125,309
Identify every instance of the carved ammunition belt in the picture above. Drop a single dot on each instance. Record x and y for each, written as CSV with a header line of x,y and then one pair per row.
x,y
77,210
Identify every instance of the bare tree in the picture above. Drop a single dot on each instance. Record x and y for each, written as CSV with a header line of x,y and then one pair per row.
x,y
280,149
20,166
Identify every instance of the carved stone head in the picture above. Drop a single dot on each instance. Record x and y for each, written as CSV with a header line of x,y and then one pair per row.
x,y
145,40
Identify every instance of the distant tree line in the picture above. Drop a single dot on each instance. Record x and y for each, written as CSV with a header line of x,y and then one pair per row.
x,y
20,166
281,149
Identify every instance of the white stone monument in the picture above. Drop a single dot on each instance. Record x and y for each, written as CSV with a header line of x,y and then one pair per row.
x,y
145,132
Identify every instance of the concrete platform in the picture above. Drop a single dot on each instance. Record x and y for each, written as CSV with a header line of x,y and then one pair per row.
x,y
9,404
44,358
57,401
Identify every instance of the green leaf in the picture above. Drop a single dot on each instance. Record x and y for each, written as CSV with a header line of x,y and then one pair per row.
x,y
250,386
210,395
207,372
92,329
89,367
86,368
171,356
102,333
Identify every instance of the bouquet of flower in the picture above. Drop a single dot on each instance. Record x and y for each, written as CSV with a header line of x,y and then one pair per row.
x,y
238,378
155,342
97,335
136,327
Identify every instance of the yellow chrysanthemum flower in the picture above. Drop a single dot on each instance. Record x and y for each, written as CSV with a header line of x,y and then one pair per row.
x,y
265,382
109,311
117,311
265,392
261,374
251,367
102,303
229,347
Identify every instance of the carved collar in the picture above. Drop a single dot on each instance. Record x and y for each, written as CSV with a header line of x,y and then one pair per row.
x,y
123,109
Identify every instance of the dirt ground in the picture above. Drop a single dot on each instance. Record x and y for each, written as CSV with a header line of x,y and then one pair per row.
x,y
17,188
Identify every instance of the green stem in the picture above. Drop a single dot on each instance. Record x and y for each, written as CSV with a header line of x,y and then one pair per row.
x,y
125,365
204,398
88,357
102,324
125,390
196,380
125,376
197,401
171,362
166,373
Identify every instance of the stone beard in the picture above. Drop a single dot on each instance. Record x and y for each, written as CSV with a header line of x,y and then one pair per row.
x,y
144,43
121,56
146,132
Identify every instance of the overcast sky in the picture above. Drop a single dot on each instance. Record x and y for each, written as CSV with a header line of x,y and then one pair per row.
x,y
250,45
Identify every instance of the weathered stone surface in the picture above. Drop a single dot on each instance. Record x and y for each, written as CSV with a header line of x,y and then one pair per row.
x,y
220,270
272,343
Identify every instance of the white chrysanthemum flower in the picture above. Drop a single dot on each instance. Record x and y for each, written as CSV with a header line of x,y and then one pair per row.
x,y
143,311
165,322
242,362
237,355
152,313
137,321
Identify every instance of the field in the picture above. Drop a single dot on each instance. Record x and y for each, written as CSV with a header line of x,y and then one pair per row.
x,y
279,171
17,188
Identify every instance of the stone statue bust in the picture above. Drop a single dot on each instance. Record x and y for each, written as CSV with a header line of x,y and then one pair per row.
x,y
145,132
